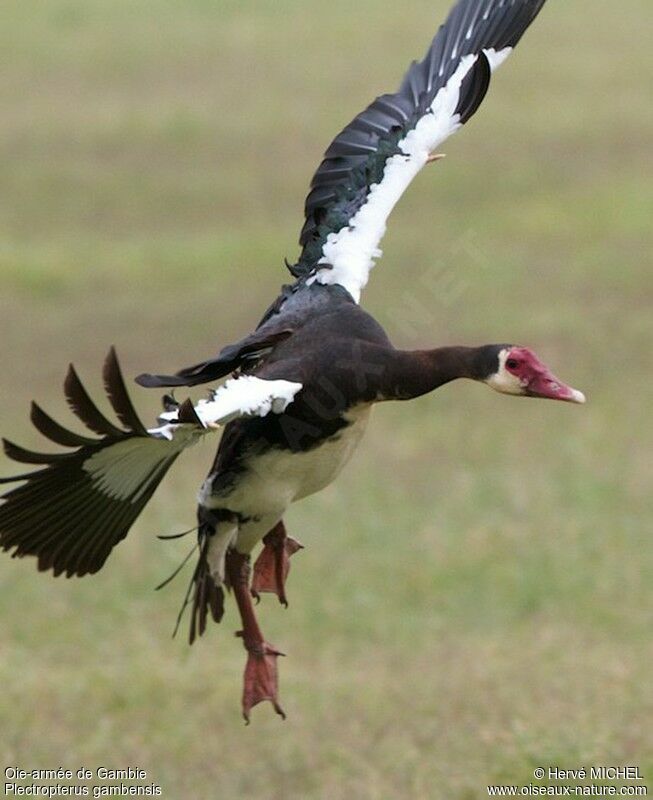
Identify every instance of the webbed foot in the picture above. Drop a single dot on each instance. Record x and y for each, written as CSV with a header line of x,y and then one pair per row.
x,y
260,681
273,564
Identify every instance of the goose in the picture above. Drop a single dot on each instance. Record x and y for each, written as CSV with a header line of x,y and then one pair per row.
x,y
298,388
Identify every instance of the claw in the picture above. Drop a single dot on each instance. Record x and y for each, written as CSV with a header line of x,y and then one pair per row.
x,y
260,680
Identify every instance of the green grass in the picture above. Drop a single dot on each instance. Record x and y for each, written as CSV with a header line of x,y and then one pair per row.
x,y
475,597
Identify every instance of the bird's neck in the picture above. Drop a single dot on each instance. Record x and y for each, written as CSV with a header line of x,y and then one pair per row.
x,y
416,372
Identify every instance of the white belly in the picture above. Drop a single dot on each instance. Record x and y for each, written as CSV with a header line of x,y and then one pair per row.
x,y
277,478
319,467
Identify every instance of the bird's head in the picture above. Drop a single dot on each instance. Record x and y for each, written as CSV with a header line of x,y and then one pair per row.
x,y
510,369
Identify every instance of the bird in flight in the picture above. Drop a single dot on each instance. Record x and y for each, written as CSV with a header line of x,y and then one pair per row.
x,y
300,386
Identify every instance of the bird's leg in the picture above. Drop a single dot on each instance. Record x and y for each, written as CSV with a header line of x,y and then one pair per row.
x,y
272,565
260,678
435,157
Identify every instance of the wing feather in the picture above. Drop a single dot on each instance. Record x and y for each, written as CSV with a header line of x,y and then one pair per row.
x,y
118,397
371,162
73,511
20,454
54,431
84,408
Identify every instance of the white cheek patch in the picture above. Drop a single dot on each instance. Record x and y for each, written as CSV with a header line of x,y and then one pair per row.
x,y
504,381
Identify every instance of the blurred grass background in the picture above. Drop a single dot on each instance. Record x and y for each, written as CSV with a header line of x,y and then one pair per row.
x,y
475,598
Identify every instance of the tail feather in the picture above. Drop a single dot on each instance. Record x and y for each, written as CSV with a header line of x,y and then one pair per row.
x,y
208,593
208,597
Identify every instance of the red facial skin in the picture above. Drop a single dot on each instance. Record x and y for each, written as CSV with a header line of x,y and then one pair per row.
x,y
537,379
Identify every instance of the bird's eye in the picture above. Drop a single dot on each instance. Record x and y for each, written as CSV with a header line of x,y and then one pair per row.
x,y
511,363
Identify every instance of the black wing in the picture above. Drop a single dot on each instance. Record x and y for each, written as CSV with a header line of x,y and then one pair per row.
x,y
78,505
436,97
246,352
72,511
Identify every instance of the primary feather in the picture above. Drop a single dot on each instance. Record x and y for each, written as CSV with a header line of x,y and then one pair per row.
x,y
369,165
80,504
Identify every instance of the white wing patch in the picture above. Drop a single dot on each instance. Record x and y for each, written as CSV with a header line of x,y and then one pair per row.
x,y
125,470
88,498
350,252
246,396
